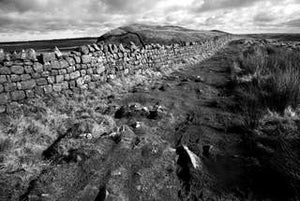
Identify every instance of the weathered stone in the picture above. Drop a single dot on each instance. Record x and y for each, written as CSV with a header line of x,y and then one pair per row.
x,y
62,71
29,93
48,89
86,59
41,81
25,77
1,88
15,78
95,46
57,53
31,54
64,64
89,71
71,69
28,69
2,55
18,95
54,72
10,87
3,79
77,59
28,84
72,84
96,77
83,49
100,69
5,71
35,75
38,67
23,55
17,69
7,57
83,72
48,57
45,74
74,75
59,78
67,77
51,79
91,49
4,98
57,87
55,65
70,61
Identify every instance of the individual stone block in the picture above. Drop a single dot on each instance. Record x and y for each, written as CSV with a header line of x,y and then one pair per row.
x,y
10,87
35,75
15,78
89,71
38,67
83,72
1,88
77,59
59,78
41,81
70,61
51,79
17,69
55,65
86,59
5,71
64,64
25,77
83,49
29,94
28,69
48,89
67,77
4,98
3,79
71,69
45,74
57,87
74,75
54,72
31,55
62,71
18,95
28,84
48,57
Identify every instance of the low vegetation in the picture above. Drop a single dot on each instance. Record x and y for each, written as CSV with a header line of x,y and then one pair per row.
x,y
267,93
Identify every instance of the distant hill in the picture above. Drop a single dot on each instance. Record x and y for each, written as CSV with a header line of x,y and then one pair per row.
x,y
47,45
145,34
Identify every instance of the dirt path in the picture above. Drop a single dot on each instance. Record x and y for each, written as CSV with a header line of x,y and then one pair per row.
x,y
139,160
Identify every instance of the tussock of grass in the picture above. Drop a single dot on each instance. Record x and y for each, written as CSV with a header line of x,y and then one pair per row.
x,y
267,90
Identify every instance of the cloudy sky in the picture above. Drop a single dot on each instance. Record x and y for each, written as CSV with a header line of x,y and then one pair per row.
x,y
48,19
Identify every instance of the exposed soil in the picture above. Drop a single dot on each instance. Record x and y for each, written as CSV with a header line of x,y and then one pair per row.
x,y
143,159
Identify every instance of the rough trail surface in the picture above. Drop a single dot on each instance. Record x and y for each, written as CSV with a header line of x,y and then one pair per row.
x,y
145,158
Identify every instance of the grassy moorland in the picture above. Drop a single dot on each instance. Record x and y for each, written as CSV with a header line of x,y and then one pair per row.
x,y
46,45
266,89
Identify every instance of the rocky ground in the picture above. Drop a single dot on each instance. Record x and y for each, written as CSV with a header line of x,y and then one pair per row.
x,y
157,136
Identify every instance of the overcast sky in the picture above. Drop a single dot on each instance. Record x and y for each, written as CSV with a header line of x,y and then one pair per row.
x,y
48,19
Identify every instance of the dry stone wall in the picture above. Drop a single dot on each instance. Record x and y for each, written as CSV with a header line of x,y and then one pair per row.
x,y
26,74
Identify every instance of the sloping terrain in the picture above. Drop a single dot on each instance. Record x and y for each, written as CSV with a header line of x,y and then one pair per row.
x,y
145,34
164,134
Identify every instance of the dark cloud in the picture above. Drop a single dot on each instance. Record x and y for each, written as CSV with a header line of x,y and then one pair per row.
x,y
293,23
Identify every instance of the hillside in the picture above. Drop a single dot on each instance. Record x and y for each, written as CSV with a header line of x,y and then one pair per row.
x,y
145,34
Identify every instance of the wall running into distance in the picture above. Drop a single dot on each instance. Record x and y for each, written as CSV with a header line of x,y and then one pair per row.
x,y
26,74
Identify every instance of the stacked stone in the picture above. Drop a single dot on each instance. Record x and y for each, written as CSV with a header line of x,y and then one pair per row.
x,y
22,75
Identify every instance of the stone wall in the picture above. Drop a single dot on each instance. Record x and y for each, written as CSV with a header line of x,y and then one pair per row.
x,y
26,74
